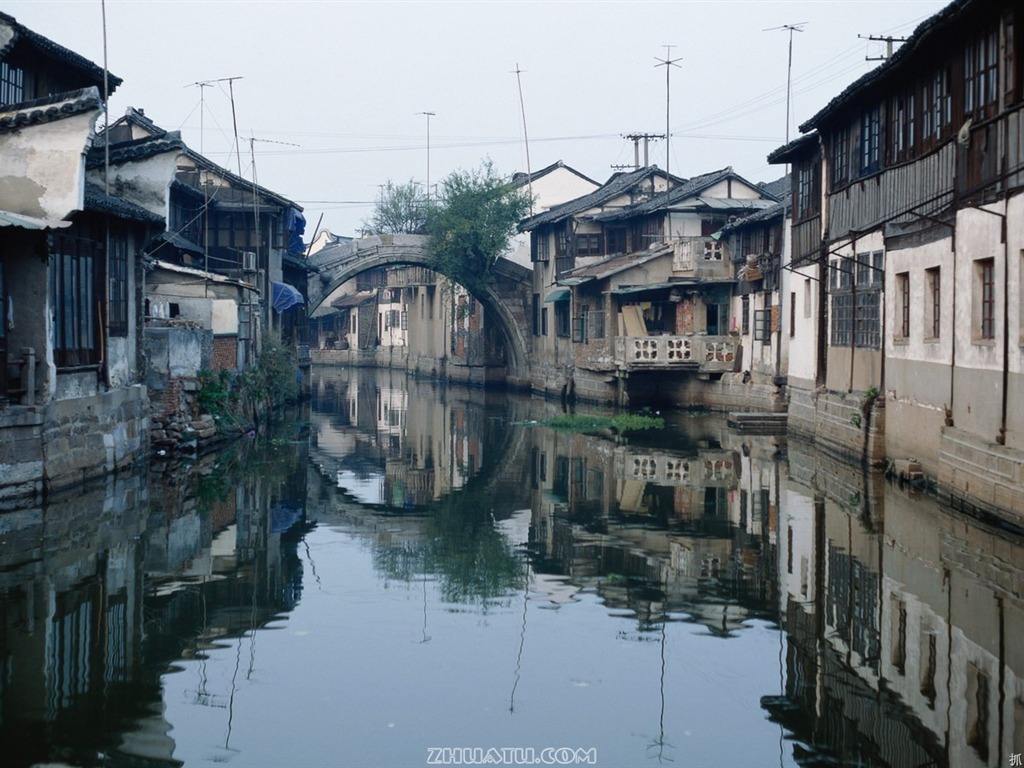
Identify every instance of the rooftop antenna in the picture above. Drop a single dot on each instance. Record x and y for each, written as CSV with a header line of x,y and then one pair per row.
x,y
202,84
428,115
888,40
526,138
791,28
667,63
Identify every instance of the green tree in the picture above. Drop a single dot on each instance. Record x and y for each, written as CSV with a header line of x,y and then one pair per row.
x,y
471,223
400,209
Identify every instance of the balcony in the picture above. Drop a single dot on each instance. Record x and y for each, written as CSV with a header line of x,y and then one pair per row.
x,y
705,354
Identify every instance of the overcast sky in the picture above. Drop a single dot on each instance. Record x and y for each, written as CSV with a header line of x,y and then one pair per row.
x,y
331,94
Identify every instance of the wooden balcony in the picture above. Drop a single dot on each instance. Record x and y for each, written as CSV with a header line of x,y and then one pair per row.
x,y
705,354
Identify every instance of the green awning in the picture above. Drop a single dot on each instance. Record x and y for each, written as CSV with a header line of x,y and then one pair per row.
x,y
557,294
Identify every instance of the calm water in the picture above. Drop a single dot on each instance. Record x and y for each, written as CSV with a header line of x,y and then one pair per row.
x,y
401,571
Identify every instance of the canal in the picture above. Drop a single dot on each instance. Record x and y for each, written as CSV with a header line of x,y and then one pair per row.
x,y
399,574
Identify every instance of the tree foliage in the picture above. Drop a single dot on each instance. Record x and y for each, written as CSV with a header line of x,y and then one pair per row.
x,y
471,223
400,209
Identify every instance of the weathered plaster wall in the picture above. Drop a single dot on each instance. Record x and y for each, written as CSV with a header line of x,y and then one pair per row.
x,y
42,169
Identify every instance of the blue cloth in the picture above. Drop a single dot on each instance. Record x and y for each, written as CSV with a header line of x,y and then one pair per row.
x,y
284,296
295,224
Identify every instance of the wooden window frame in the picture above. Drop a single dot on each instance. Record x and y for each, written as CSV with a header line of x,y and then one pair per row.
x,y
75,279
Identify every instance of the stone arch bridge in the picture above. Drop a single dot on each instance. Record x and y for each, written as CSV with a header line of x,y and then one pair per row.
x,y
506,300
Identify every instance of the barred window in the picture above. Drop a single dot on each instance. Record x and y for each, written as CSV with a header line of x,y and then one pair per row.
x,y
74,263
117,286
763,326
870,130
12,84
856,303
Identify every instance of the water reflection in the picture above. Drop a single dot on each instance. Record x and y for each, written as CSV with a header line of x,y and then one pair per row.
x,y
404,566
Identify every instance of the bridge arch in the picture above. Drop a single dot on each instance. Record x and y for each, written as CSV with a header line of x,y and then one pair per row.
x,y
506,298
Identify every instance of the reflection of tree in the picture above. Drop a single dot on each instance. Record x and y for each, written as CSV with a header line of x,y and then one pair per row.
x,y
461,547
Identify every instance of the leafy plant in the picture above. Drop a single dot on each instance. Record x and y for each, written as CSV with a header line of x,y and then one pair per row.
x,y
622,422
471,224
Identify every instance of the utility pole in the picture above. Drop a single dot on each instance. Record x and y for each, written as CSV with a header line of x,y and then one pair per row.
x,y
428,115
636,138
667,63
888,40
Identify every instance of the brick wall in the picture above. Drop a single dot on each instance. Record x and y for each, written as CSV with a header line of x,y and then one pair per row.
x,y
225,353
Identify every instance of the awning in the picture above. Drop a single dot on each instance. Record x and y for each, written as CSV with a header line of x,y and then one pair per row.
x,y
284,296
557,294
11,219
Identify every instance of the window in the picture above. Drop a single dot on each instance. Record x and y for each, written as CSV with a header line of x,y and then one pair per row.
x,y
803,189
562,244
841,156
117,286
978,710
855,306
12,84
902,127
870,129
763,326
595,322
73,298
899,635
579,326
932,303
936,107
562,318
712,250
808,300
984,312
588,245
745,314
981,81
536,314
544,321
902,330
541,251
792,314
615,240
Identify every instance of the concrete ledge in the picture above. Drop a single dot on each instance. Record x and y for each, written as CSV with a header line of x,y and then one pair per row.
x,y
983,474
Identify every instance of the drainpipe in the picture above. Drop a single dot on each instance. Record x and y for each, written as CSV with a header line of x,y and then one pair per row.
x,y
1001,437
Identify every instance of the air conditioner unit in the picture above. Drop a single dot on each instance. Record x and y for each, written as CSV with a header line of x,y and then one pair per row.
x,y
248,261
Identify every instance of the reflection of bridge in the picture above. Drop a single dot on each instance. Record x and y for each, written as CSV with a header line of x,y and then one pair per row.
x,y
506,299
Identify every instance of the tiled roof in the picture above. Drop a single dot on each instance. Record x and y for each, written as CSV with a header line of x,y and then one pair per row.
x,y
48,109
944,19
139,149
98,200
618,185
55,51
688,190
778,189
765,214
519,178
796,148
613,265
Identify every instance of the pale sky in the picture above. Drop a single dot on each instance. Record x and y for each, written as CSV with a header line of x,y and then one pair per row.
x,y
331,94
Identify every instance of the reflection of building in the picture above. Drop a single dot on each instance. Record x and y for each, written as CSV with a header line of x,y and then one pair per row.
x,y
654,531
913,630
396,440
